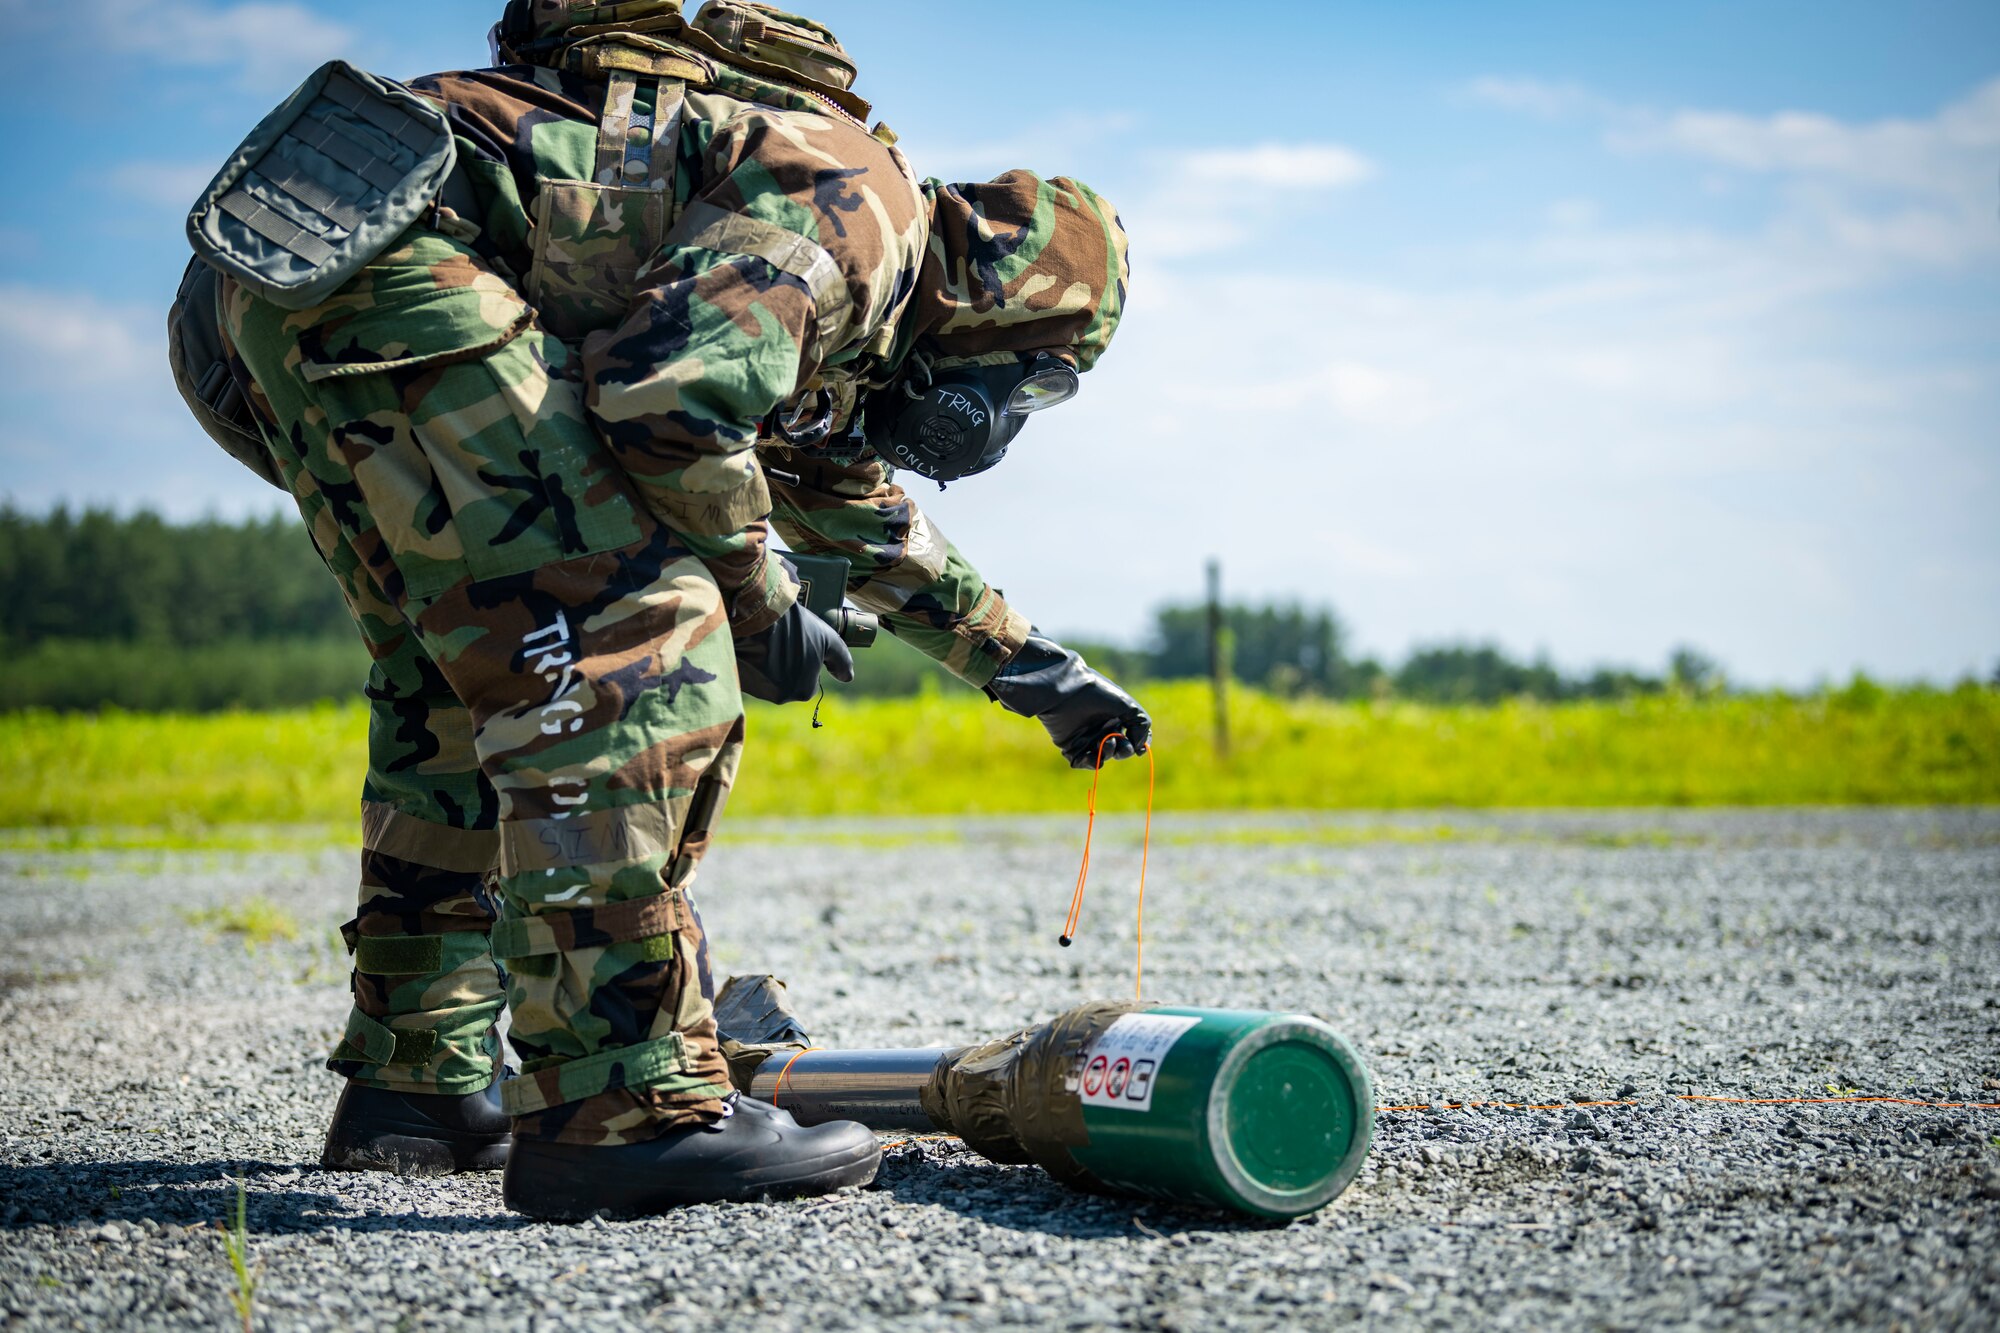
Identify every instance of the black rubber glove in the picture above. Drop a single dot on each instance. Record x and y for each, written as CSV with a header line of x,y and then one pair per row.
x,y
1057,688
781,665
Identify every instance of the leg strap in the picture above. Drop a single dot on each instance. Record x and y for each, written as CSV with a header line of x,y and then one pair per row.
x,y
388,830
638,1066
370,1042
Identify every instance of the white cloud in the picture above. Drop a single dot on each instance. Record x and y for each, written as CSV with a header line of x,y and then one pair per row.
x,y
1951,153
1049,145
1352,392
72,340
1275,166
1209,200
89,414
1899,190
1551,101
266,44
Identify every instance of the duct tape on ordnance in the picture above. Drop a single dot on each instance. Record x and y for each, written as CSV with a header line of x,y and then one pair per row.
x,y
1016,1100
323,185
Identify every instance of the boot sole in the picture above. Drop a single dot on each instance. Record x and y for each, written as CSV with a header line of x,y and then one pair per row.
x,y
407,1155
561,1197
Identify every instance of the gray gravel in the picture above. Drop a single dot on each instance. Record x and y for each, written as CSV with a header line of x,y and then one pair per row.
x,y
149,1062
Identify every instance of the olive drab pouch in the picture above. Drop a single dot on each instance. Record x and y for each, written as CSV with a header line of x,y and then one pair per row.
x,y
592,237
741,50
200,366
323,185
775,37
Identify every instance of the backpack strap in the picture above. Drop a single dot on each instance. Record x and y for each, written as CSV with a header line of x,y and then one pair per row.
x,y
638,137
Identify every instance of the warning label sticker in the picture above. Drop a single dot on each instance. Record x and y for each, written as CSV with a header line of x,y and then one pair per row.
x,y
1120,1066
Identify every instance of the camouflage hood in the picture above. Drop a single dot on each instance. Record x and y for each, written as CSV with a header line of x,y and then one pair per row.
x,y
527,27
1020,264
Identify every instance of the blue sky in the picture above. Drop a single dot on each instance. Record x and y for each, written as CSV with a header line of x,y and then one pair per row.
x,y
1583,328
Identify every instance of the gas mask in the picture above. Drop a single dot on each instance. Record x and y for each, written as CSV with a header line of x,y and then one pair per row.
x,y
955,423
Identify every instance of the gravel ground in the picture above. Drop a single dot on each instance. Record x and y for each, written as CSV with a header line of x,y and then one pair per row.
x,y
151,1061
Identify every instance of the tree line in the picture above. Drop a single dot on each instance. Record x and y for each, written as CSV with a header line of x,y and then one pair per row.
x,y
1293,649
98,608
101,577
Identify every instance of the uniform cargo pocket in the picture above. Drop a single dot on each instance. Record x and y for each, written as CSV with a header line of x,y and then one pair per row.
x,y
590,243
471,448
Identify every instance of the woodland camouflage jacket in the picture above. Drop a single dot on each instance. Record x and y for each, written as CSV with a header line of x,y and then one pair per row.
x,y
793,245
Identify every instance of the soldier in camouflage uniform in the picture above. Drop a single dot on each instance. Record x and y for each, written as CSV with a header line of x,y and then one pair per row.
x,y
541,442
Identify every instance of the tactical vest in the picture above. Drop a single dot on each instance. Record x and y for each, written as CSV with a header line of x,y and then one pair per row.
x,y
592,237
295,238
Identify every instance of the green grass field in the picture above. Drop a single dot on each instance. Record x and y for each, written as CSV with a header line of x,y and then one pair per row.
x,y
168,780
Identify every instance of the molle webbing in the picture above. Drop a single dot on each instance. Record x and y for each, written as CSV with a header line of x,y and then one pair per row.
x,y
340,143
275,227
640,132
684,52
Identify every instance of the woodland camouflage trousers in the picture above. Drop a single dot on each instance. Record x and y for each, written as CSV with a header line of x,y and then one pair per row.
x,y
555,717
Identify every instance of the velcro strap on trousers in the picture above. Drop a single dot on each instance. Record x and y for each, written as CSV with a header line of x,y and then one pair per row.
x,y
376,1043
608,1071
592,927
398,955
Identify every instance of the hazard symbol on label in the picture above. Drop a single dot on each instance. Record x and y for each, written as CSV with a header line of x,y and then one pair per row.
x,y
1120,1067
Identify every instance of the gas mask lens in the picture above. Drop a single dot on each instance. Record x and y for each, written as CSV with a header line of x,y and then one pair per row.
x,y
961,421
1046,386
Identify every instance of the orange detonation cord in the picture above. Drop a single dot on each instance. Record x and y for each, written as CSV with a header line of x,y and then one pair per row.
x,y
1145,858
1571,1106
1697,1097
779,1087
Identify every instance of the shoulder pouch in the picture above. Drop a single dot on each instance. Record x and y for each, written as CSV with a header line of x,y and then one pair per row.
x,y
323,185
773,36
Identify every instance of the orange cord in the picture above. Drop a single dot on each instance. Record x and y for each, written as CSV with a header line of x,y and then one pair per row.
x,y
1570,1106
1834,1101
779,1086
1692,1097
1145,858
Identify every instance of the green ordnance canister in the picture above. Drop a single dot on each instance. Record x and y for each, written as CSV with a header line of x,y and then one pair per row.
x,y
1265,1113
1270,1114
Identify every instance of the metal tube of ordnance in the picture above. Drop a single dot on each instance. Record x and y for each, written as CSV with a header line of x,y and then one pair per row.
x,y
880,1089
1265,1113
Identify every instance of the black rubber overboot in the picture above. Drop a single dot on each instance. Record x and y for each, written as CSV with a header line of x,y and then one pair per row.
x,y
417,1133
756,1151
